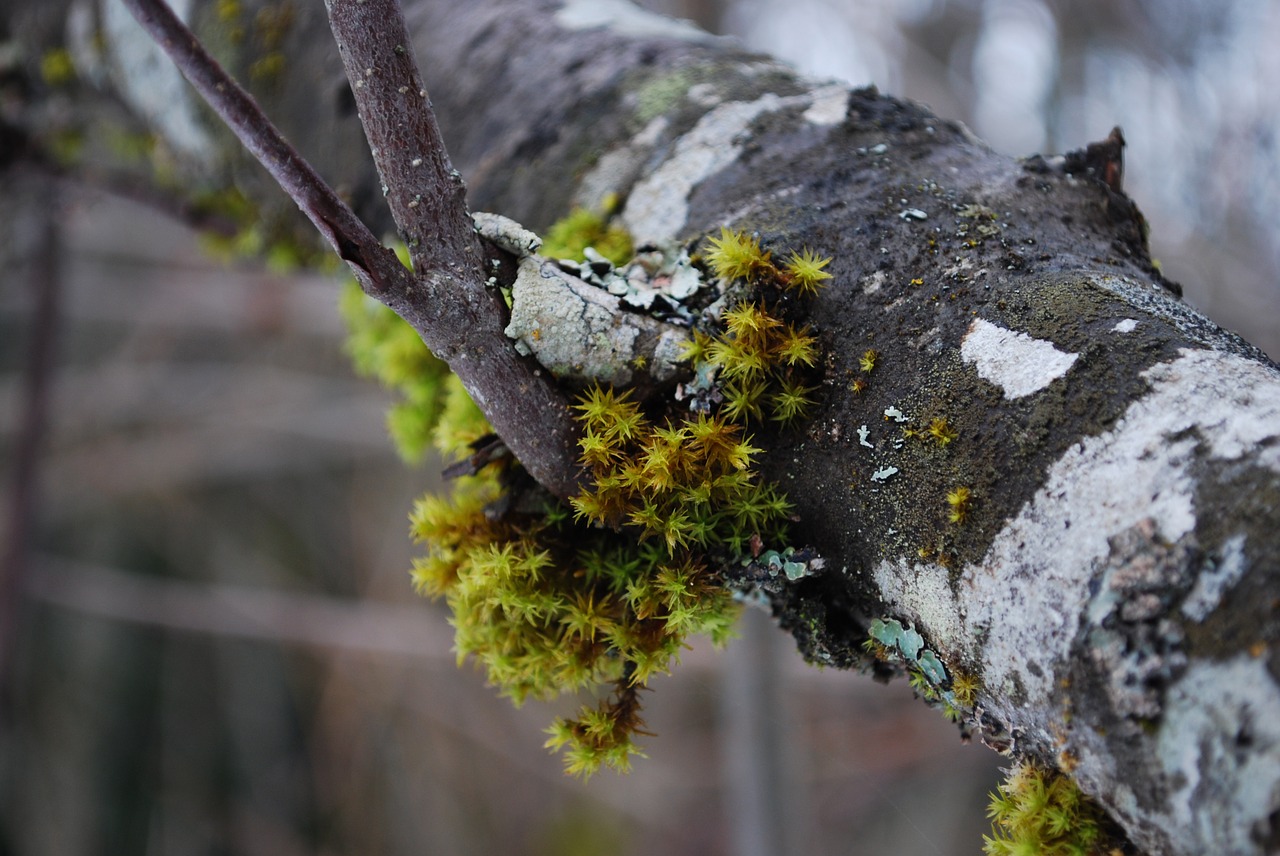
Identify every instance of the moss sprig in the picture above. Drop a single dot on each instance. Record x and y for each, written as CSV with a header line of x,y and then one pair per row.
x,y
735,255
1042,812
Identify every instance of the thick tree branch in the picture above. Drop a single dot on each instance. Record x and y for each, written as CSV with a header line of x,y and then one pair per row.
x,y
1112,585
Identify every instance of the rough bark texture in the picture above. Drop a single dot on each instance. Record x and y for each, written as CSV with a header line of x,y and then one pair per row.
x,y
1115,585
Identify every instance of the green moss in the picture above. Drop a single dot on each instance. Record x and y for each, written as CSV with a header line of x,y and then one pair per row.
x,y
603,592
57,68
1042,812
569,237
282,242
268,68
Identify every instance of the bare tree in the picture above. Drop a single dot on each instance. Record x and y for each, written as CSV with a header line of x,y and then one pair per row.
x,y
1028,463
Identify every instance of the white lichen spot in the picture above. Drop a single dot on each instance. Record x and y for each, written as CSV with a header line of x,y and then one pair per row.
x,y
625,18
863,433
829,105
883,474
1128,325
913,214
872,283
658,207
895,414
1015,362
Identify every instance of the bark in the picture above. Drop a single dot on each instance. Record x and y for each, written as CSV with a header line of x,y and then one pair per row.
x,y
1115,584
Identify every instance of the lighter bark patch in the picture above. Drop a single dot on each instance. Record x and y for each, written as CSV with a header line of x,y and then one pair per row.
x,y
627,19
1220,732
619,168
1015,362
659,205
829,105
921,593
1033,586
1216,580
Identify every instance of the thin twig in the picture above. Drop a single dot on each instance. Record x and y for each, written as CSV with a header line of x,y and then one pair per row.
x,y
445,298
374,265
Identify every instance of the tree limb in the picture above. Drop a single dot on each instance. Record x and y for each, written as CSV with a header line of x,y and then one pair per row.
x,y
1112,585
446,301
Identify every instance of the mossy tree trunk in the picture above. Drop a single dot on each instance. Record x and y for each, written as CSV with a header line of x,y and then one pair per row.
x,y
1111,581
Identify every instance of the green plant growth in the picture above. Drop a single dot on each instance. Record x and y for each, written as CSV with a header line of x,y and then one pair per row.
x,y
1040,812
600,594
569,237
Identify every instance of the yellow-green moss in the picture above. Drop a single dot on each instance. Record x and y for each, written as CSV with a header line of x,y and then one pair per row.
x,y
569,237
57,68
1040,812
603,592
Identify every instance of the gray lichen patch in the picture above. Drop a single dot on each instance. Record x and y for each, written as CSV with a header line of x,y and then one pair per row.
x,y
1223,757
580,332
1133,645
506,234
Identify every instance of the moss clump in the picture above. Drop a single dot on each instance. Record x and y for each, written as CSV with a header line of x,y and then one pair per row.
x,y
569,237
57,68
433,411
603,592
1039,812
736,255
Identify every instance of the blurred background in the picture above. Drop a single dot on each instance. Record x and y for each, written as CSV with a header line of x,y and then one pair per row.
x,y
217,648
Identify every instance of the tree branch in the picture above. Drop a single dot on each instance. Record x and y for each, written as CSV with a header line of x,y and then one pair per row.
x,y
447,302
376,267
426,194
461,320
